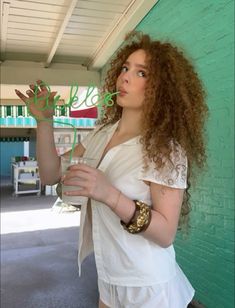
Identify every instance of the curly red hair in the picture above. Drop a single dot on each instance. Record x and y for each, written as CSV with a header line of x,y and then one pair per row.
x,y
174,111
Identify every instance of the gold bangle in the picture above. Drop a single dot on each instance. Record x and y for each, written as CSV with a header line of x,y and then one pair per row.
x,y
140,220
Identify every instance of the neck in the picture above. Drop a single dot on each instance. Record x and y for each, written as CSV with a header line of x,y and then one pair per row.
x,y
129,123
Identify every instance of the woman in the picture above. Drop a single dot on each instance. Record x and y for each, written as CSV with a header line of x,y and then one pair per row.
x,y
146,147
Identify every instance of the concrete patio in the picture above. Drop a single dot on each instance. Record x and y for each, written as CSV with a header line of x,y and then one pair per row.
x,y
39,255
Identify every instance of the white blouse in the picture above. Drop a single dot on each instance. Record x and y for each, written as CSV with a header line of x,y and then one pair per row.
x,y
122,258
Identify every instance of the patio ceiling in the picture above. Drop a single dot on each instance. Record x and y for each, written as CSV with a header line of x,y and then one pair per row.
x,y
85,32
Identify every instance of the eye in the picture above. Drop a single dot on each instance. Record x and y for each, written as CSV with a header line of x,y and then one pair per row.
x,y
124,69
141,74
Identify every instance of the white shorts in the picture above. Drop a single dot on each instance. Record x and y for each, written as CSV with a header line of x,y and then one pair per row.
x,y
176,293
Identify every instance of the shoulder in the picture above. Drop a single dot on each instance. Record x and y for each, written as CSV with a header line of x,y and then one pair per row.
x,y
174,171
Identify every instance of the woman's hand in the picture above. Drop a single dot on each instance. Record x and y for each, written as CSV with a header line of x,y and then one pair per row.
x,y
92,183
40,101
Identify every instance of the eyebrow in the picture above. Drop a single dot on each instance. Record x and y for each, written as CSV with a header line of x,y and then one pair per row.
x,y
137,65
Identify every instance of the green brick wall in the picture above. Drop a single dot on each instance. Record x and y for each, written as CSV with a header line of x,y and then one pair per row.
x,y
205,30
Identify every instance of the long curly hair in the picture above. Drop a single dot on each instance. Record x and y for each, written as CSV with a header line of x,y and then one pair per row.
x,y
174,111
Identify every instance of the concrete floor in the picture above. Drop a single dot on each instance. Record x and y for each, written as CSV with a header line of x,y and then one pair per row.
x,y
39,255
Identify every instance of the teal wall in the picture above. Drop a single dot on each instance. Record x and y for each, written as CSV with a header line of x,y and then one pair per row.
x,y
9,149
205,30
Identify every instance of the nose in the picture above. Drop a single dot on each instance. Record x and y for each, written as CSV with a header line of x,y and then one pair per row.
x,y
125,77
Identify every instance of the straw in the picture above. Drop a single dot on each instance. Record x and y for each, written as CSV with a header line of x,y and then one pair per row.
x,y
72,98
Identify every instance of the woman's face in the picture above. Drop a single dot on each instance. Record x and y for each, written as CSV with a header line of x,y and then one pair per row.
x,y
131,82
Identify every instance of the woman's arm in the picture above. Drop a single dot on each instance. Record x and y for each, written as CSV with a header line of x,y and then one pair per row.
x,y
40,104
47,157
166,206
166,202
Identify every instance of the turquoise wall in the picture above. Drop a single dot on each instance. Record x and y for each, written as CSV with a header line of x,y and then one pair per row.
x,y
9,149
205,29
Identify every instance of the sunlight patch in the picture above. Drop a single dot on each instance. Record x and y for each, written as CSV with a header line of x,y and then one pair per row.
x,y
22,221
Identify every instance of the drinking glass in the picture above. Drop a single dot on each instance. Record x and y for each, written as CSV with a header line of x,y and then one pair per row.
x,y
66,162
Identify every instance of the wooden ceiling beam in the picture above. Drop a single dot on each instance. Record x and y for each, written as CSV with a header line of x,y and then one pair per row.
x,y
60,32
5,7
129,19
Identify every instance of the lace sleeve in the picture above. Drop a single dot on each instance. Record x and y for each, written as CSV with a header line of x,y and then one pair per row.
x,y
172,175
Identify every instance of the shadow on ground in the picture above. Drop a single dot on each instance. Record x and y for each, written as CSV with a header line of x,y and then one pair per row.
x,y
39,269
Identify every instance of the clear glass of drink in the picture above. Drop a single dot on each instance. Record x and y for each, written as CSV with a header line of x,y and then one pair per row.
x,y
66,162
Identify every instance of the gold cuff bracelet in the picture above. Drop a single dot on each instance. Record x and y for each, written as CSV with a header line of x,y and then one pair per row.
x,y
140,220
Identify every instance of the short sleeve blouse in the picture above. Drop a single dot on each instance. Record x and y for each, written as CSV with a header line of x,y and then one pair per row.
x,y
123,258
174,173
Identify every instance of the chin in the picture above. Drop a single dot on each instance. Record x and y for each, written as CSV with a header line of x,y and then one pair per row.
x,y
128,104
120,102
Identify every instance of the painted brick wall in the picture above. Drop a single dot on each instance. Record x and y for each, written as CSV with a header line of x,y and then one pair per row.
x,y
205,30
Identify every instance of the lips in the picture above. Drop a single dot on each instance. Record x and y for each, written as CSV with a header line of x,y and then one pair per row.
x,y
122,91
